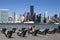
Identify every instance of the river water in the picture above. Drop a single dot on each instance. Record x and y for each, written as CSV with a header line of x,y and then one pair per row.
x,y
19,26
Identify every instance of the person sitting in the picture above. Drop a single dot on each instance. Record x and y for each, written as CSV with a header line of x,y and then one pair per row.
x,y
52,31
34,31
8,34
14,29
3,30
58,29
22,32
29,30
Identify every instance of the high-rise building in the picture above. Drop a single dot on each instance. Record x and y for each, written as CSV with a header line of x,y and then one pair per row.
x,y
34,17
59,15
39,18
3,15
31,10
48,19
46,14
55,16
13,17
21,18
44,18
25,16
28,16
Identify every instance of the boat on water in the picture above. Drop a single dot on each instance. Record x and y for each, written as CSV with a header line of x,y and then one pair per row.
x,y
56,23
29,22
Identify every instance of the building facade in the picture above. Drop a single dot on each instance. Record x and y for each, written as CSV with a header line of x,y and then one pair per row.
x,y
40,18
28,16
25,16
13,17
3,15
31,12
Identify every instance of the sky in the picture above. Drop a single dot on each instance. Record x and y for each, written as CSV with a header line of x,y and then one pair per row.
x,y
40,6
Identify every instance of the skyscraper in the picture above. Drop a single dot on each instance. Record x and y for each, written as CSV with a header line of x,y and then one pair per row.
x,y
3,15
34,17
55,16
31,10
28,16
14,17
25,16
44,18
39,18
46,14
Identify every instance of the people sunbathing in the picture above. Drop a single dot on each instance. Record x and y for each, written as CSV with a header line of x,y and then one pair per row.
x,y
52,31
58,29
43,31
14,29
3,30
22,32
32,30
8,34
29,30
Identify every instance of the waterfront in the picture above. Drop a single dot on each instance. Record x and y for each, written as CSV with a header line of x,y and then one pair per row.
x,y
19,26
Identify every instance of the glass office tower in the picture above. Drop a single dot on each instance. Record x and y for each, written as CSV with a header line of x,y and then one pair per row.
x,y
3,15
31,10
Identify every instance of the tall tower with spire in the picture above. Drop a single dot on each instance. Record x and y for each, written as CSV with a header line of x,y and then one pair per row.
x,y
14,17
46,14
44,18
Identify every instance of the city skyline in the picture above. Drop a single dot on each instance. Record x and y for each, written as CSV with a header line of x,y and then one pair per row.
x,y
27,17
40,6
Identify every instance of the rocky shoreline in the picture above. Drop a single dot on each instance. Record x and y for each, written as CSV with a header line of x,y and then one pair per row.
x,y
30,37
